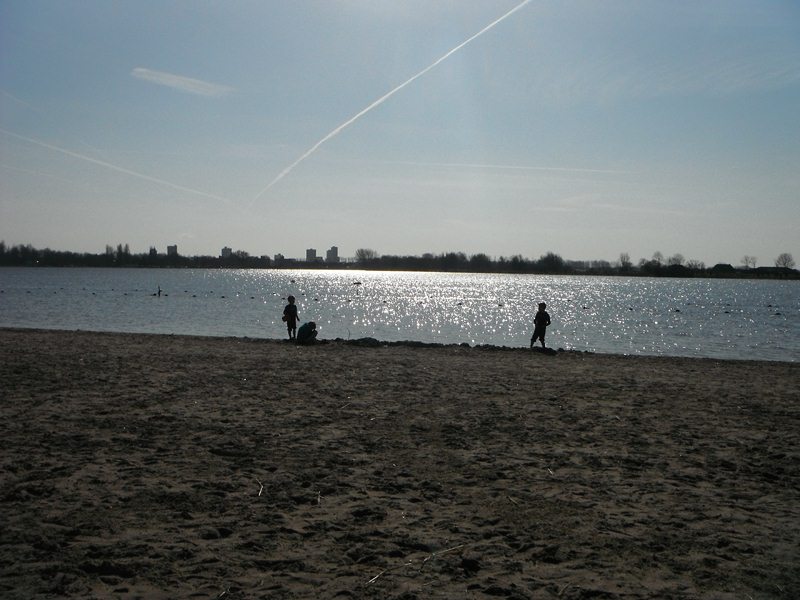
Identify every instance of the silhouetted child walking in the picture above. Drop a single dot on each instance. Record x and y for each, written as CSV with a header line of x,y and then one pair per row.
x,y
540,323
291,317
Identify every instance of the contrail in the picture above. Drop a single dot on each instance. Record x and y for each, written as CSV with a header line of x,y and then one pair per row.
x,y
112,167
384,98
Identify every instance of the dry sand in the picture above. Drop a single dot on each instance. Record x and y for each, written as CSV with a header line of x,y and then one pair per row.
x,y
172,467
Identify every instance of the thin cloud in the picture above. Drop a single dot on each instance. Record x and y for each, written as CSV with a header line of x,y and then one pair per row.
x,y
180,83
590,202
505,167
612,77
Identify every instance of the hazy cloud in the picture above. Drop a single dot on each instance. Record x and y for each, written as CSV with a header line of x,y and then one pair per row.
x,y
180,83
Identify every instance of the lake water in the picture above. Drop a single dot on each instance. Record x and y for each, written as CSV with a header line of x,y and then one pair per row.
x,y
718,318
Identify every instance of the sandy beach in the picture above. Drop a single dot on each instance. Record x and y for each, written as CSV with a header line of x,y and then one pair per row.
x,y
143,466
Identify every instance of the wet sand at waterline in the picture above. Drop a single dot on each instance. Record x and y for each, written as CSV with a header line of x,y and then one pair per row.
x,y
167,466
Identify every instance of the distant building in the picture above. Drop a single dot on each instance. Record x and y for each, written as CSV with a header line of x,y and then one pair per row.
x,y
279,258
311,255
226,252
332,255
172,250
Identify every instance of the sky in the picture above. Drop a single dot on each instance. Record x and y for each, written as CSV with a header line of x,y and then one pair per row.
x,y
581,127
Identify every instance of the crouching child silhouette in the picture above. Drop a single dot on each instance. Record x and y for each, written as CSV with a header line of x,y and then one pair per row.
x,y
307,334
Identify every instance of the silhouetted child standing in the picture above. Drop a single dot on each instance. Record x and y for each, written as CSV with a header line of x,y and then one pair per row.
x,y
291,317
540,323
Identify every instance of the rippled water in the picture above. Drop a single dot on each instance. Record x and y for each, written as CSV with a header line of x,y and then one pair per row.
x,y
678,317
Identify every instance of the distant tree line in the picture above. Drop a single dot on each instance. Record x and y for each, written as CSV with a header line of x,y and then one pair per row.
x,y
551,263
366,258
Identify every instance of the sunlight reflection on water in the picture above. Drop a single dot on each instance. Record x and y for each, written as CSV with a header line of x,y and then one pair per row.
x,y
682,317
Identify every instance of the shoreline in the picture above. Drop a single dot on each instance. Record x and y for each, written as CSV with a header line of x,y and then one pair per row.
x,y
369,342
723,271
162,466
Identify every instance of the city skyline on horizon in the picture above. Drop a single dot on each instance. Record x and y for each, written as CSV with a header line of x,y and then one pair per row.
x,y
505,128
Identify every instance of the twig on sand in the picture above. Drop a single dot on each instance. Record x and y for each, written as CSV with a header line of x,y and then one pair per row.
x,y
410,562
374,579
435,554
514,502
564,589
261,489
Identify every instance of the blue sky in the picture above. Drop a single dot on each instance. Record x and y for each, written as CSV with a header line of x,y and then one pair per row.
x,y
586,128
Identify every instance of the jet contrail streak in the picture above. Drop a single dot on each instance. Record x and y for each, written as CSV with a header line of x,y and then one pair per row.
x,y
112,167
384,98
